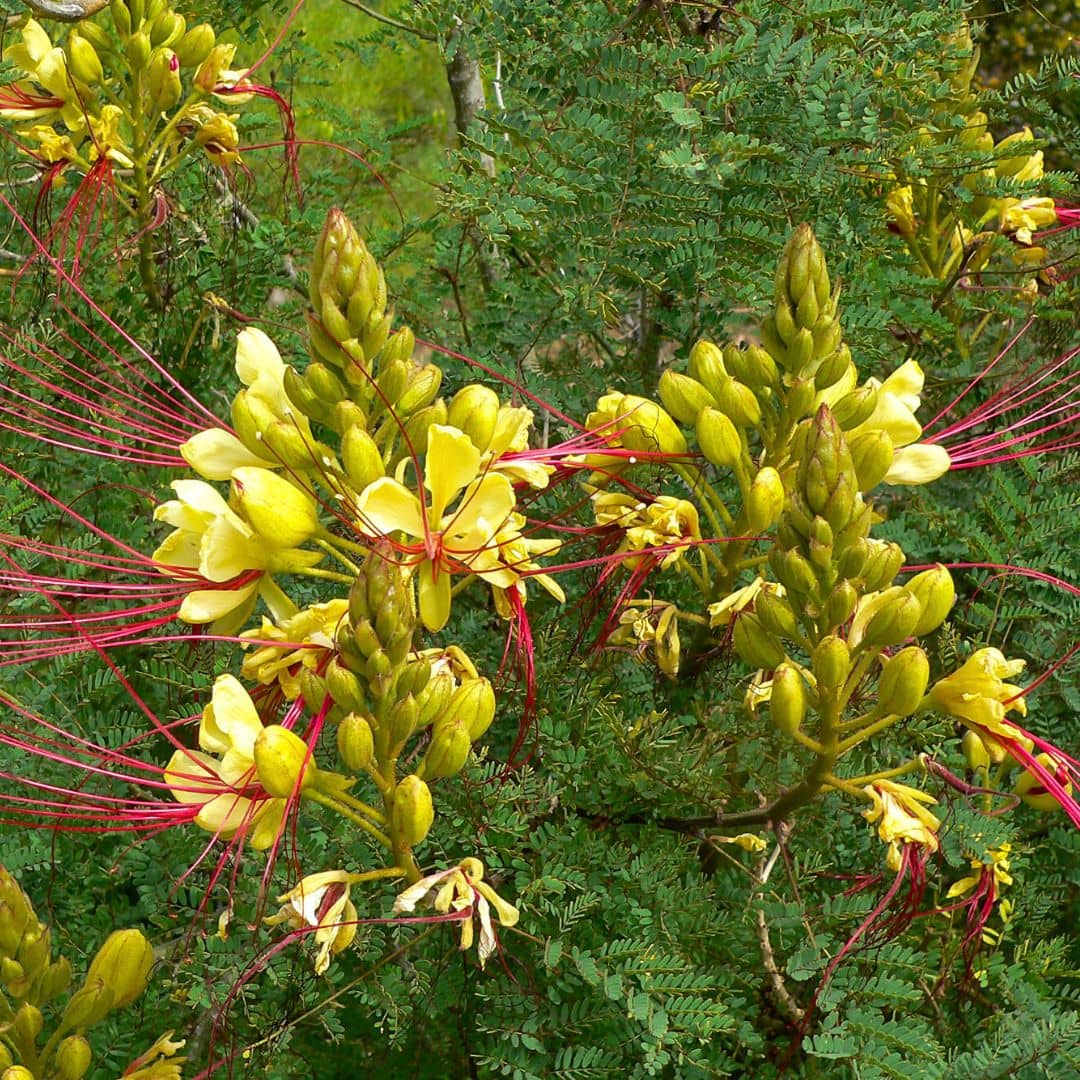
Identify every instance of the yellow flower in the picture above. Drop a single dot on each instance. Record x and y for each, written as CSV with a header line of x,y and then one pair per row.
x,y
1022,217
723,611
902,817
215,132
106,141
306,639
758,693
977,694
229,726
211,538
159,1062
898,400
900,205
651,622
666,522
215,453
321,901
462,889
481,535
51,146
998,867
509,556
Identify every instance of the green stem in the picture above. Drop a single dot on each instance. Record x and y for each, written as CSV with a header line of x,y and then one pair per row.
x,y
885,774
326,575
870,729
376,815
333,804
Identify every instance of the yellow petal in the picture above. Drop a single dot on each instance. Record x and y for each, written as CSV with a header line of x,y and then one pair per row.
x,y
452,461
229,548
230,721
215,453
919,463
387,506
906,383
434,597
257,356
209,605
484,509
192,777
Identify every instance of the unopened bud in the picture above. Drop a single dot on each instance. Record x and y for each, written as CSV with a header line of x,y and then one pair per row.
x,y
361,457
121,17
164,79
707,366
754,644
17,1072
73,1058
344,686
1031,789
55,979
283,762
474,409
83,60
787,705
89,1004
893,621
412,813
194,47
167,28
764,500
738,402
882,566
421,389
794,572
936,594
138,50
647,427
776,615
448,751
856,408
683,397
903,681
355,742
800,353
832,664
123,965
402,721
872,456
840,604
27,1024
718,438
833,368
974,750
281,513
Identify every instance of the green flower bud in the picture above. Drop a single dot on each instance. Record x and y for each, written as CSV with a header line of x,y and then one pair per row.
x,y
138,50
167,28
832,664
422,389
448,751
121,17
83,60
707,365
800,398
800,352
739,402
718,438
194,47
936,594
302,397
832,368
11,971
417,425
361,457
787,705
784,321
27,1024
17,1072
123,965
647,427
855,408
882,566
34,948
344,686
433,700
683,397
355,742
164,79
840,604
54,980
473,704
283,762
5,1063
854,558
894,621
903,681
754,644
400,345
324,383
73,1058
794,572
474,409
402,721
827,335
412,812
807,310
764,500
89,1004
872,456
775,615
281,513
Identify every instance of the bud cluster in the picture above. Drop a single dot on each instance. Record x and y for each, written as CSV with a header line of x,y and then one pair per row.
x,y
32,982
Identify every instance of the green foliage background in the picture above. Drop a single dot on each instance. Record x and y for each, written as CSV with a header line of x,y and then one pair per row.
x,y
631,193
